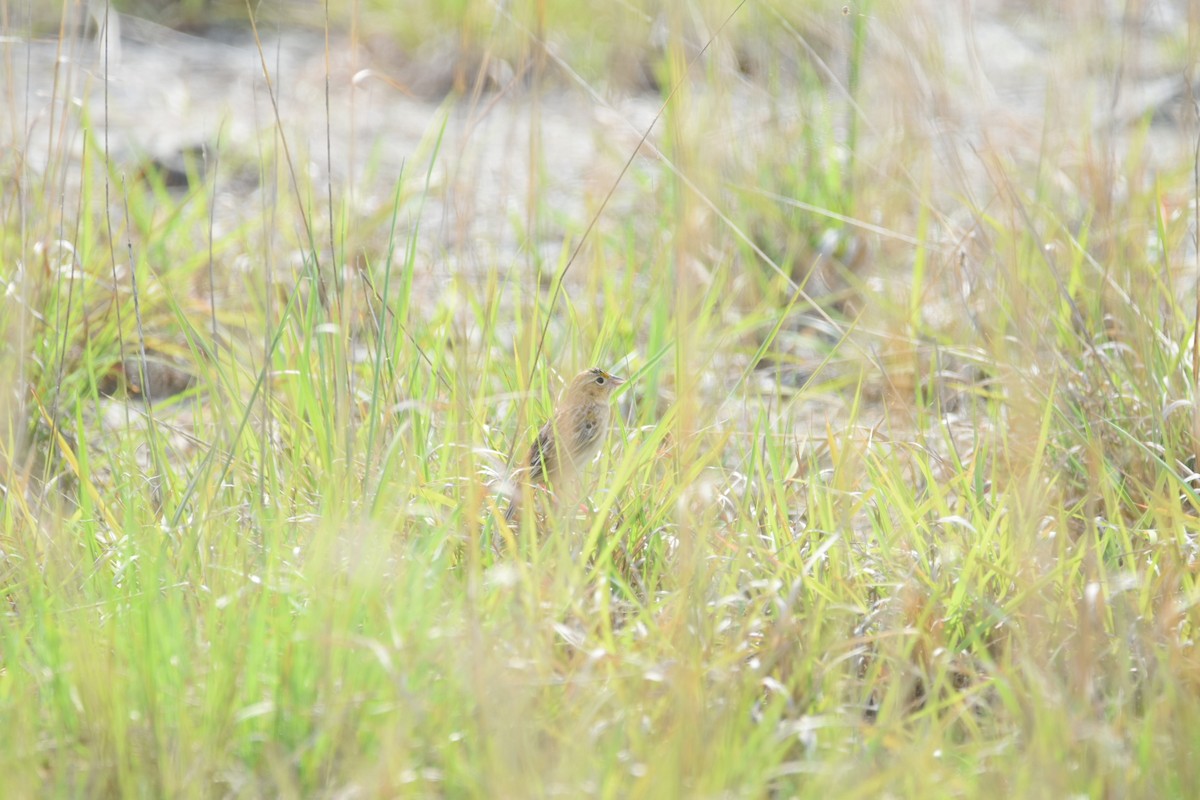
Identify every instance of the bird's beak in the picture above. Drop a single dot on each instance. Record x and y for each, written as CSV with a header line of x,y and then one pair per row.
x,y
616,380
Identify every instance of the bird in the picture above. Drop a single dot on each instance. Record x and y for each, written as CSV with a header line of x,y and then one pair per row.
x,y
572,437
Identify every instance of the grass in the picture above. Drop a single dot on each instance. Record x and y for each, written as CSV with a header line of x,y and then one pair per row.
x,y
900,500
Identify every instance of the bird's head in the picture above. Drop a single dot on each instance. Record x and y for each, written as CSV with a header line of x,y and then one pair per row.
x,y
592,384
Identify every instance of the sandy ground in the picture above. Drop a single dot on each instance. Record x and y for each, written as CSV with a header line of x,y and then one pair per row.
x,y
970,78
974,84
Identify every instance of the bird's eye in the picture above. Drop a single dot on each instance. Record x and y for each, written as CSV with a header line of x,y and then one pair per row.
x,y
599,380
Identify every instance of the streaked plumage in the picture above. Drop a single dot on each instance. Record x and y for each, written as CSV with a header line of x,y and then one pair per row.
x,y
571,439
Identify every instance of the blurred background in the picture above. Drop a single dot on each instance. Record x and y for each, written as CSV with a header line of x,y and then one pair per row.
x,y
815,142
901,498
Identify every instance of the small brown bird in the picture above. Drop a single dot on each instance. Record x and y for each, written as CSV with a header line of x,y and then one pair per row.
x,y
569,441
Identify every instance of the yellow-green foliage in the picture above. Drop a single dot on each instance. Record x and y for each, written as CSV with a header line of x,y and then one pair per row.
x,y
900,499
